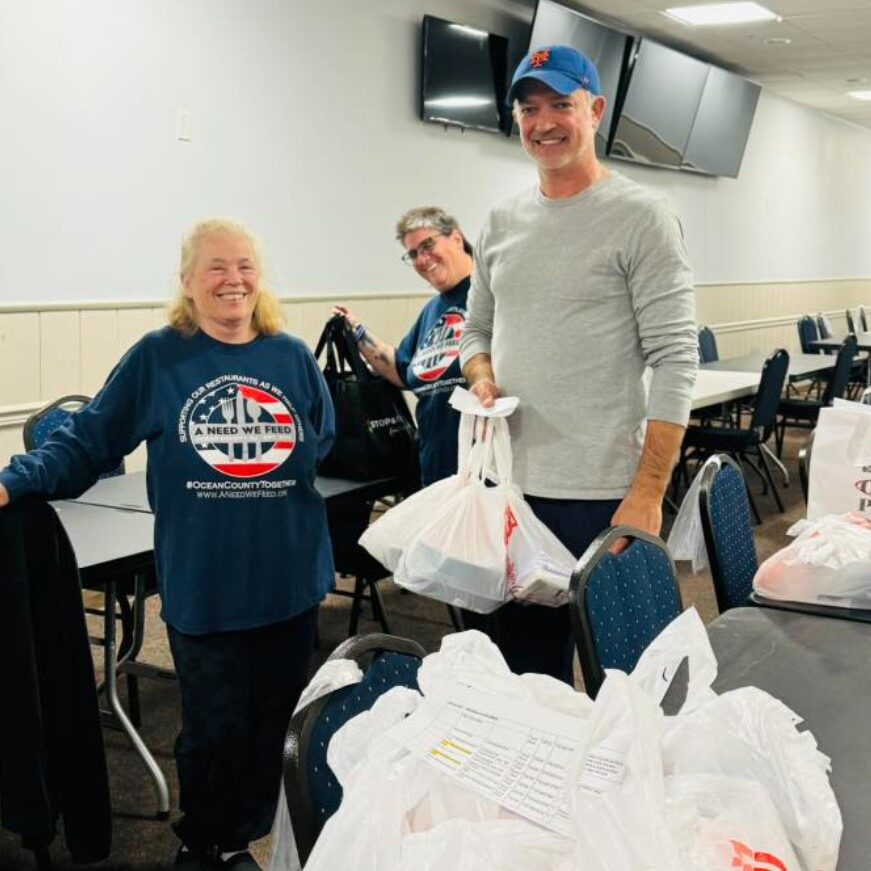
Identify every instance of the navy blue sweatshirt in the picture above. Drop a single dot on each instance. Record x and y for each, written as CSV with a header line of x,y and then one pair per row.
x,y
428,362
234,433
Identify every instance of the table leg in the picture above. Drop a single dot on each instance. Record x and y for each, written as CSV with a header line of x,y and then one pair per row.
x,y
110,671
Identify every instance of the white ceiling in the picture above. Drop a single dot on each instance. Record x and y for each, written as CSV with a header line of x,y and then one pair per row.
x,y
829,53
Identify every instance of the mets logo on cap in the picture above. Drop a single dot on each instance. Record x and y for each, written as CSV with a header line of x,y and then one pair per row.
x,y
440,346
242,431
540,58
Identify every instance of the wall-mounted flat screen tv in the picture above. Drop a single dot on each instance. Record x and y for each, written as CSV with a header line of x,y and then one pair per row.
x,y
555,24
659,106
463,75
722,124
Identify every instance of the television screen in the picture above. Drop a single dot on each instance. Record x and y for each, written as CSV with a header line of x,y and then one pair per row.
x,y
719,134
607,48
659,107
464,73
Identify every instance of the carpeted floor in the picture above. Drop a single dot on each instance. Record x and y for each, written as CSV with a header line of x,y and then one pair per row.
x,y
142,842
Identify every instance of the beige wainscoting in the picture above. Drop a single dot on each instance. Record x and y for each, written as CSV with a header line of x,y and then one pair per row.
x,y
47,351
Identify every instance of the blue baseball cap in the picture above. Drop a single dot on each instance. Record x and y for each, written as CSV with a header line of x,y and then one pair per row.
x,y
560,67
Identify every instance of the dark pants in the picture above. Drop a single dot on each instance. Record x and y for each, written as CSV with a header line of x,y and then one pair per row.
x,y
238,690
535,637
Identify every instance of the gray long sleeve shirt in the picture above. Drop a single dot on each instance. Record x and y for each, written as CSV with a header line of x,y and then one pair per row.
x,y
572,298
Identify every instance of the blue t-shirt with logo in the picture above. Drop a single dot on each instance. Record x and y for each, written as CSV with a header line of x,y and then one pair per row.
x,y
428,362
234,433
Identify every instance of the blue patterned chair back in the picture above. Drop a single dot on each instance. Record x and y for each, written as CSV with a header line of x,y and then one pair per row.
x,y
620,603
41,424
707,346
807,333
728,529
313,792
837,383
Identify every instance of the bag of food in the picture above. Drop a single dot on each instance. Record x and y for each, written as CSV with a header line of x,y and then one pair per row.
x,y
829,563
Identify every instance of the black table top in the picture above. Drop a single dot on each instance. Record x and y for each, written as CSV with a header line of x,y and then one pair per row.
x,y
820,668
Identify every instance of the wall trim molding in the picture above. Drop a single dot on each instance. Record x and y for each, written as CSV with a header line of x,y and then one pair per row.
x,y
16,415
108,305
768,323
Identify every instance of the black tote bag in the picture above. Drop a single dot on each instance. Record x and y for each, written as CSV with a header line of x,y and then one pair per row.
x,y
375,434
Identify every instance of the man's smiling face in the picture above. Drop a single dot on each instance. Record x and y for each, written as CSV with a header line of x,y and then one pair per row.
x,y
558,132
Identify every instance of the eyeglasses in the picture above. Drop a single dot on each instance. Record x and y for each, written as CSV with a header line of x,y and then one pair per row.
x,y
425,247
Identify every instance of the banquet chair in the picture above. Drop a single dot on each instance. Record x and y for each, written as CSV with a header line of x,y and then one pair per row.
x,y
863,319
851,323
747,443
346,522
804,412
824,326
728,531
42,423
312,790
808,332
707,345
620,602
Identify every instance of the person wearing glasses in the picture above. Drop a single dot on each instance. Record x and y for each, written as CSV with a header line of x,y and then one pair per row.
x,y
427,360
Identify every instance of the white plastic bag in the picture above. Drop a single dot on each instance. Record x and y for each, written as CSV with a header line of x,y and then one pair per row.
x,y
459,556
829,563
686,541
388,536
839,480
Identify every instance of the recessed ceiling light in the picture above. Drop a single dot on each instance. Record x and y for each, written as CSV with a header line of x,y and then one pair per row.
x,y
777,40
721,13
860,95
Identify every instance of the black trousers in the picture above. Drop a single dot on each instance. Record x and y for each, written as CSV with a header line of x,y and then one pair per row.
x,y
238,691
538,638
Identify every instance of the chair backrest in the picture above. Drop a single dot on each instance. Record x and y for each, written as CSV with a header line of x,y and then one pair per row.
x,y
840,374
863,319
767,398
851,324
42,423
707,346
620,602
804,464
824,326
807,333
728,529
313,793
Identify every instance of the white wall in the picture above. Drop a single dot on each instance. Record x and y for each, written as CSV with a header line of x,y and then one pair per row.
x,y
303,119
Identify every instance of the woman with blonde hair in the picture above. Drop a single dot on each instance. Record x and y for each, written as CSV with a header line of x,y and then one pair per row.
x,y
236,415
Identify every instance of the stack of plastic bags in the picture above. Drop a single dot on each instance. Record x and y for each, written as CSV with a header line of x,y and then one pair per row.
x,y
471,539
727,782
829,563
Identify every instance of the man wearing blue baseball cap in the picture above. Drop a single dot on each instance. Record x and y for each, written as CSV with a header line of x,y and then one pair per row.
x,y
580,284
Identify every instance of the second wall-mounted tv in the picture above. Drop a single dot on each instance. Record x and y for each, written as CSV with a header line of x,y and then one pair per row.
x,y
683,113
463,76
555,24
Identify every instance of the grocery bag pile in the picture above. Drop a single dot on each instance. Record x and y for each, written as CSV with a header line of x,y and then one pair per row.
x,y
471,539
484,770
829,563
